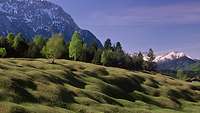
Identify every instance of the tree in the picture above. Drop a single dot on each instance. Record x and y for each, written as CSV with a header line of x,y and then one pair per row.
x,y
128,62
150,63
76,46
3,42
140,61
151,56
3,52
97,57
17,41
94,47
20,46
33,51
54,48
35,47
67,51
90,51
106,57
181,75
9,42
108,44
10,38
84,52
39,41
118,47
111,58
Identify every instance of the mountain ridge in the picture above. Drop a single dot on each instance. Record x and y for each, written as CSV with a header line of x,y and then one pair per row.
x,y
173,61
39,17
171,56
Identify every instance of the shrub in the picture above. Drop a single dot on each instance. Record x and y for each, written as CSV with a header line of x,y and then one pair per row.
x,y
3,52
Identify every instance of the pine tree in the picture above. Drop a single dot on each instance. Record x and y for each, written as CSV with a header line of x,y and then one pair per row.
x,y
76,46
150,63
108,44
67,51
118,47
91,50
140,61
151,55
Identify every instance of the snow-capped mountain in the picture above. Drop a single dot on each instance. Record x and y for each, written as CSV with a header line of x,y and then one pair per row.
x,y
170,56
173,61
33,17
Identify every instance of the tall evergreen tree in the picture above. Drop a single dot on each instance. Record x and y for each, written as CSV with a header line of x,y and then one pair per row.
x,y
140,61
67,50
151,55
108,44
150,63
90,53
118,47
76,46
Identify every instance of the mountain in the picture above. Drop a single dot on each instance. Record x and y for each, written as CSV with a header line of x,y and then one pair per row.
x,y
170,56
39,17
173,61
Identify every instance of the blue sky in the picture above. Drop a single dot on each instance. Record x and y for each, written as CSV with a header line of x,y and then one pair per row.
x,y
164,25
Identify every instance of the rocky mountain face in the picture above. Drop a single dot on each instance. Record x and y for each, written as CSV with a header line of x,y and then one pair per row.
x,y
173,61
39,17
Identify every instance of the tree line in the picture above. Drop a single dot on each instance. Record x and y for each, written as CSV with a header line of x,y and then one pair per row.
x,y
16,46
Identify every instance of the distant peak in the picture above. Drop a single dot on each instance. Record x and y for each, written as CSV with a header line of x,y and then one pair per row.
x,y
171,56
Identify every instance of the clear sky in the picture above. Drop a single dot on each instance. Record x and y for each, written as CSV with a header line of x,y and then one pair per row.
x,y
164,25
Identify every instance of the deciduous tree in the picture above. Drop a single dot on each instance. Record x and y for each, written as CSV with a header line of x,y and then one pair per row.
x,y
54,48
76,46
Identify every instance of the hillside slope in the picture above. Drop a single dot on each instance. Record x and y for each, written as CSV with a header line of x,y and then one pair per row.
x,y
34,86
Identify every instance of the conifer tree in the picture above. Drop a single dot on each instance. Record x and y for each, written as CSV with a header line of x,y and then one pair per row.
x,y
118,47
150,63
108,44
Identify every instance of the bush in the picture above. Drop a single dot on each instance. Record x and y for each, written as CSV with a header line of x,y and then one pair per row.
x,y
3,52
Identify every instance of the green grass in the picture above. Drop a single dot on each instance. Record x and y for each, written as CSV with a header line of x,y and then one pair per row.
x,y
35,86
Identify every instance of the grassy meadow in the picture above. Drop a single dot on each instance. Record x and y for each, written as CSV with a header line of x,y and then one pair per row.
x,y
35,86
